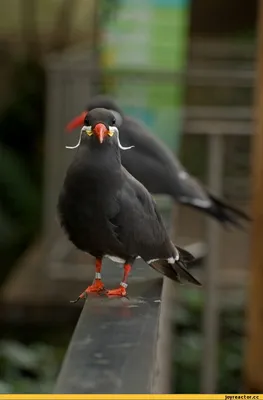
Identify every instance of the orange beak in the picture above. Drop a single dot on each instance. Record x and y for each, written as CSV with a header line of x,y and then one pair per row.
x,y
101,131
76,122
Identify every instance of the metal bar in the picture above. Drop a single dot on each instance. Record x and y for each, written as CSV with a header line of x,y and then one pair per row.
x,y
162,367
231,75
230,113
205,127
162,377
211,309
122,345
112,349
221,48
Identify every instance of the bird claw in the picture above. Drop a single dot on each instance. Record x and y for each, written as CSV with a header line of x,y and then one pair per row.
x,y
74,301
120,292
83,296
97,287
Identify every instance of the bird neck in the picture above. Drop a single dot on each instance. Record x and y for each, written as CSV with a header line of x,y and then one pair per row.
x,y
97,163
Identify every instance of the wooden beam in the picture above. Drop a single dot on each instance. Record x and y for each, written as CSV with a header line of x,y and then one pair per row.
x,y
254,349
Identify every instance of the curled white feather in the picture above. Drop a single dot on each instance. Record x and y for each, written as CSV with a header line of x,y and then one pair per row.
x,y
84,128
77,145
113,129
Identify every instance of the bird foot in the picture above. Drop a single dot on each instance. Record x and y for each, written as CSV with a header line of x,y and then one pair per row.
x,y
96,287
121,292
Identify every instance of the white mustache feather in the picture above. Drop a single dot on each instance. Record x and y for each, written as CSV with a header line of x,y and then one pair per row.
x,y
112,129
77,145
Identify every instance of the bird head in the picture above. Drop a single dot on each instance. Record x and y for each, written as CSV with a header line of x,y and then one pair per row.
x,y
100,101
100,126
99,123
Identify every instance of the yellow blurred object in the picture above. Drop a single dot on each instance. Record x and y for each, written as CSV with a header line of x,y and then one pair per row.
x,y
107,58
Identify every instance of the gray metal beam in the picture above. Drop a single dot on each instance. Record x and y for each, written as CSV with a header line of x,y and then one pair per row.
x,y
112,348
123,345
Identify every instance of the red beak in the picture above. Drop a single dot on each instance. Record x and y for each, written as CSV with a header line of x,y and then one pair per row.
x,y
101,131
76,122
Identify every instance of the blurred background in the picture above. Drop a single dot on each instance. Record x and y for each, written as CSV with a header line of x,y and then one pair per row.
x,y
189,65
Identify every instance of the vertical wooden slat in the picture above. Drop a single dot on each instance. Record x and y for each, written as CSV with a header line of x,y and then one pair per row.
x,y
29,28
253,367
211,311
52,152
162,374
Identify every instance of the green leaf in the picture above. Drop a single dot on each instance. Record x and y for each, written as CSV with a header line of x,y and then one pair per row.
x,y
193,298
5,387
18,355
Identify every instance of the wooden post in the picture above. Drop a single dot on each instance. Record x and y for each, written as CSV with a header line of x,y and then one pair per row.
x,y
211,310
254,350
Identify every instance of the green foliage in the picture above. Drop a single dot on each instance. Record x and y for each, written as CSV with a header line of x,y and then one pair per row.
x,y
188,349
20,206
108,10
21,131
28,369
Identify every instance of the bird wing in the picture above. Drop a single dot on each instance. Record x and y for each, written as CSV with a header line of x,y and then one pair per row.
x,y
140,226
157,167
142,232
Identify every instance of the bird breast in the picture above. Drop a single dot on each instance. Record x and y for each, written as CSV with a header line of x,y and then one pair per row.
x,y
88,201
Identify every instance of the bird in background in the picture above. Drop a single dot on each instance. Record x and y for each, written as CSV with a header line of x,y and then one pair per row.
x,y
106,212
157,168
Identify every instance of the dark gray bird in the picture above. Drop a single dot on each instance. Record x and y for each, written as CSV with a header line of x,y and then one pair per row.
x,y
156,167
106,212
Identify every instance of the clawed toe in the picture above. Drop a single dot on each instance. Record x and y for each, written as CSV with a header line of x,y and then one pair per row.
x,y
120,292
97,287
83,296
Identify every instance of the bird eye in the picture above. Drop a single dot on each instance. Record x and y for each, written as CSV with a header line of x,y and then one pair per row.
x,y
113,121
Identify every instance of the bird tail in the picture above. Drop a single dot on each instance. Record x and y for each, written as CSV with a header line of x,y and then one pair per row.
x,y
223,212
227,214
178,269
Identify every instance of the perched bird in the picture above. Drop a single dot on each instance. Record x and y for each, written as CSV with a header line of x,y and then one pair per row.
x,y
156,167
105,211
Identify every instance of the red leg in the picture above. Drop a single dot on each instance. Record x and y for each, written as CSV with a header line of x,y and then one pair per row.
x,y
121,290
97,285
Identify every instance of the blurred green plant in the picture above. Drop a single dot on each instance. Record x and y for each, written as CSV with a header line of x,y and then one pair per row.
x,y
108,10
21,133
28,369
20,206
189,345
